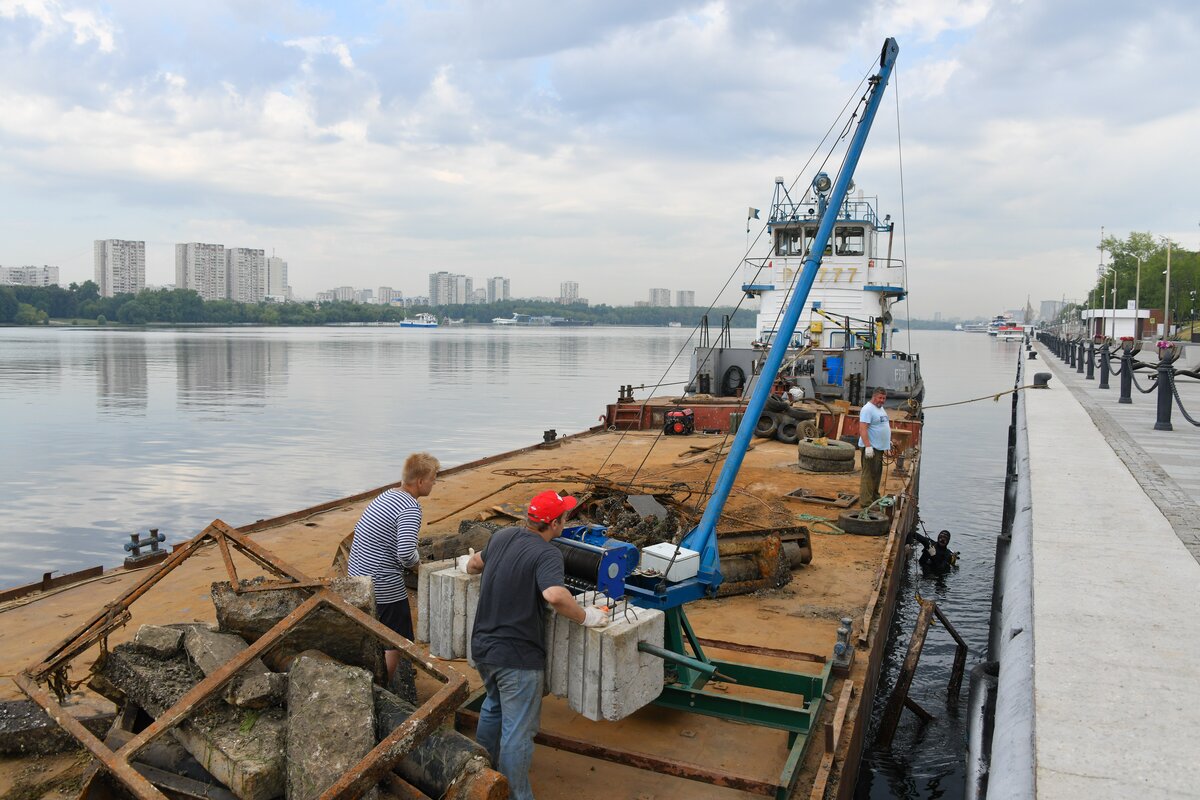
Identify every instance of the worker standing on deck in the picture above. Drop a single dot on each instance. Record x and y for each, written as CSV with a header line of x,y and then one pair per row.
x,y
875,439
385,544
521,569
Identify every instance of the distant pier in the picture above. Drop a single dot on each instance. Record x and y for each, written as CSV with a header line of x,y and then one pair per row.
x,y
1100,561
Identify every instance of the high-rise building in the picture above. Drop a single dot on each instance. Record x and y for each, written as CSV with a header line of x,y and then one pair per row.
x,y
29,276
448,289
568,292
478,296
245,275
660,298
202,268
387,295
364,296
1050,309
277,279
685,298
497,289
120,266
344,294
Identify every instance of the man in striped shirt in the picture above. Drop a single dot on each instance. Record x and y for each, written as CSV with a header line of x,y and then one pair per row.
x,y
385,544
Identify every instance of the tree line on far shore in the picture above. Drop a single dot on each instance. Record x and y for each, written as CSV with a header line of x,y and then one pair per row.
x,y
35,305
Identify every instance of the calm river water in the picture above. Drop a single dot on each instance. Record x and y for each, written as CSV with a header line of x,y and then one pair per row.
x,y
106,432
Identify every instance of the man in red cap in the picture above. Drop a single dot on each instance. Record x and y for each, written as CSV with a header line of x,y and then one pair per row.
x,y
521,569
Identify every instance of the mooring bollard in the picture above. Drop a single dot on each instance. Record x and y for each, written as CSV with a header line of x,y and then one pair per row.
x,y
135,545
1166,376
1091,361
1105,367
1071,350
1079,364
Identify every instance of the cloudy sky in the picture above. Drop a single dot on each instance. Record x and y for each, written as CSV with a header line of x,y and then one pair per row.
x,y
616,143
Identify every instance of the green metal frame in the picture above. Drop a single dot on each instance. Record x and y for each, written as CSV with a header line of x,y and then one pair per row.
x,y
692,669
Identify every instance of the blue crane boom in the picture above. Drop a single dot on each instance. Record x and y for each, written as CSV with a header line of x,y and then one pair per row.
x,y
703,538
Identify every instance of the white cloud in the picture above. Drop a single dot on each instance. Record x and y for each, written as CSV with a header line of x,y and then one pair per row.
x,y
602,142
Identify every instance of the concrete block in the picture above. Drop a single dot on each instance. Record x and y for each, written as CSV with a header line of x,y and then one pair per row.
x,y
25,729
330,724
254,687
607,676
242,749
158,641
251,614
453,598
423,572
435,763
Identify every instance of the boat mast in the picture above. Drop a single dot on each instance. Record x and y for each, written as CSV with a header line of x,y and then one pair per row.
x,y
703,537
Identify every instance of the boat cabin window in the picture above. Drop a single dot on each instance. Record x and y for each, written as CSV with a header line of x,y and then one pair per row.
x,y
809,235
850,241
788,242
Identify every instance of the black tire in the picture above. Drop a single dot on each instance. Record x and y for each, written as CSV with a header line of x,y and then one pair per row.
x,y
767,425
776,404
733,379
809,430
800,414
875,524
788,432
820,465
833,450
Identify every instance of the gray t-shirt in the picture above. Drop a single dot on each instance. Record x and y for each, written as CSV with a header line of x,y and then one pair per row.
x,y
518,565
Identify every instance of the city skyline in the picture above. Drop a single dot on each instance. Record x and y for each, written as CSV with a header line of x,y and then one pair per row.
x,y
610,139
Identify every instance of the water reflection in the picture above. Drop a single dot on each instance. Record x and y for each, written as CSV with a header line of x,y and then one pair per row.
x,y
120,366
214,373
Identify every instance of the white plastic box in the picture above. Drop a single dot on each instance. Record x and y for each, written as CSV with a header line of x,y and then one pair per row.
x,y
658,557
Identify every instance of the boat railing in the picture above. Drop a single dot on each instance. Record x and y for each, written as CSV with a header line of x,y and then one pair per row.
x,y
854,209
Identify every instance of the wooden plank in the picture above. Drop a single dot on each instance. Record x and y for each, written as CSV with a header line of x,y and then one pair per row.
x,y
895,704
839,721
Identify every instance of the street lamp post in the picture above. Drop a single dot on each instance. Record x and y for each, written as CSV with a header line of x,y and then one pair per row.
x,y
1167,295
1137,302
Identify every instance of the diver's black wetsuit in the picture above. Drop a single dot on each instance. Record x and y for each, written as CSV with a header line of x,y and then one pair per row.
x,y
935,559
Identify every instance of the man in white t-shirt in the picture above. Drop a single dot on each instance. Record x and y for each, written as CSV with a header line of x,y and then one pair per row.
x,y
875,438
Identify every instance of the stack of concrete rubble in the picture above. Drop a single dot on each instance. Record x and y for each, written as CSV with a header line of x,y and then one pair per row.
x,y
599,671
292,725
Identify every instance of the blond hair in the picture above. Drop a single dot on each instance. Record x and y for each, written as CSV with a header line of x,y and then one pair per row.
x,y
419,466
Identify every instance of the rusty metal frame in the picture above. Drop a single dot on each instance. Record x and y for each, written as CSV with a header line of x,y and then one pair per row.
x,y
115,614
352,784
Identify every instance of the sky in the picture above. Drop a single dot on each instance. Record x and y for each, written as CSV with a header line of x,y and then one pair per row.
x,y
615,143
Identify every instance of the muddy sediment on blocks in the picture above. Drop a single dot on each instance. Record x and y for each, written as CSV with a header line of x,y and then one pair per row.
x,y
242,749
330,724
436,762
251,614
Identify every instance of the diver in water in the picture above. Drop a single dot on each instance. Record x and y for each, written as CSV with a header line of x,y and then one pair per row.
x,y
936,556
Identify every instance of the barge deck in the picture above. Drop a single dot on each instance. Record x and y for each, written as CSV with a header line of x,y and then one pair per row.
x,y
849,576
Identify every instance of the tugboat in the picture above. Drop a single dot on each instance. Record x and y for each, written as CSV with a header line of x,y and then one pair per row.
x,y
842,348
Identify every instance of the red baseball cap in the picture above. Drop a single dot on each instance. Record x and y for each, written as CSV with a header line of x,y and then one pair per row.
x,y
550,505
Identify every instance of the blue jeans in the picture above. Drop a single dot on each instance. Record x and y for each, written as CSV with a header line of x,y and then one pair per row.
x,y
508,720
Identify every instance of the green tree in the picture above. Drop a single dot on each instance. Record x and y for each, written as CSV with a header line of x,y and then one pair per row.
x,y
26,314
101,320
133,313
8,305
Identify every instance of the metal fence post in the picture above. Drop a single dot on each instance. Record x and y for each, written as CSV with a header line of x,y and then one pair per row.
x,y
1105,367
1126,376
1091,361
1079,364
1166,375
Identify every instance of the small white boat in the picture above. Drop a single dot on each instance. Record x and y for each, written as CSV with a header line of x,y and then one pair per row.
x,y
422,320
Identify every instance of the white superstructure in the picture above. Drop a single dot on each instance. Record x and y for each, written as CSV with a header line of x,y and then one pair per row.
x,y
854,286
